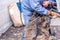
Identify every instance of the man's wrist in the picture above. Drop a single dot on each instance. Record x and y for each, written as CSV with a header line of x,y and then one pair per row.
x,y
48,13
53,3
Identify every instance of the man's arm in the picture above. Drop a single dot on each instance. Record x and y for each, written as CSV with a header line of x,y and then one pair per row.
x,y
52,2
46,3
35,4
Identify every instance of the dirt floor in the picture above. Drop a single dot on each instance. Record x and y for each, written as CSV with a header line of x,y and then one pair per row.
x,y
12,34
16,34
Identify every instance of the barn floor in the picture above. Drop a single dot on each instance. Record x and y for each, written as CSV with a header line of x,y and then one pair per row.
x,y
16,34
12,34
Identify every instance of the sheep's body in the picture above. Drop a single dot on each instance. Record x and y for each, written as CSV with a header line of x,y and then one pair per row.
x,y
42,26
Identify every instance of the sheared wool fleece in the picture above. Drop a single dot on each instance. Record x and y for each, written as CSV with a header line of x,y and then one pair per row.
x,y
41,23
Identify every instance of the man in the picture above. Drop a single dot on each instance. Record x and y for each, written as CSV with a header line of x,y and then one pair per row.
x,y
29,6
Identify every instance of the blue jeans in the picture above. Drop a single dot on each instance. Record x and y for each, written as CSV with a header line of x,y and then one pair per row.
x,y
27,15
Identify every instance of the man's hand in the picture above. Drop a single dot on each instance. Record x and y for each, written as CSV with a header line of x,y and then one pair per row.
x,y
45,3
48,13
54,14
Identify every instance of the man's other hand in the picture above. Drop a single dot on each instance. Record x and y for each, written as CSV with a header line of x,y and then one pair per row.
x,y
45,3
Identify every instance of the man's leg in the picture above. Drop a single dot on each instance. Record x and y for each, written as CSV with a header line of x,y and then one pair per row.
x,y
27,21
27,16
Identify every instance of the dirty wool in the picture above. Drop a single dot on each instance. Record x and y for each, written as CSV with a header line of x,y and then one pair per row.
x,y
38,28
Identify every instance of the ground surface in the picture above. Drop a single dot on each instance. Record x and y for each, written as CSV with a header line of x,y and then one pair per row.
x,y
12,34
16,33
